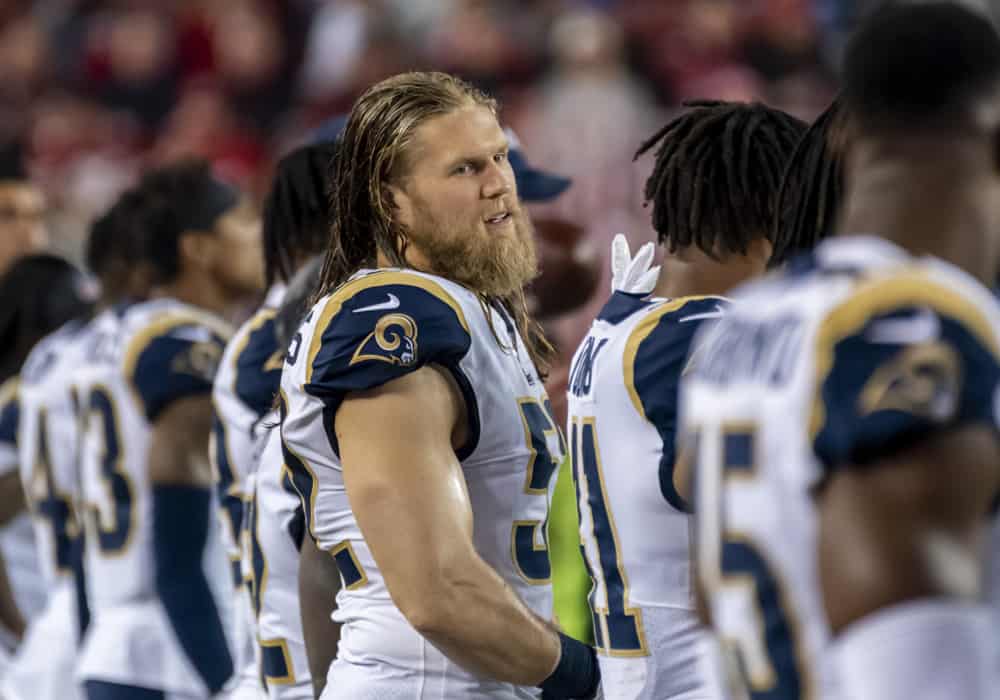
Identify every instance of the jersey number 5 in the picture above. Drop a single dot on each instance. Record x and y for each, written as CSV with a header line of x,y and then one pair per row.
x,y
768,654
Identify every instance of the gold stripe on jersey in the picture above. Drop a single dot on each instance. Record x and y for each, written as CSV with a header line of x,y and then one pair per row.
x,y
161,324
872,297
347,547
281,644
256,321
314,490
333,304
642,331
8,390
213,459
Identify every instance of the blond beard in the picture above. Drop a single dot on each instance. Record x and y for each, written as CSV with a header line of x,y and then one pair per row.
x,y
493,265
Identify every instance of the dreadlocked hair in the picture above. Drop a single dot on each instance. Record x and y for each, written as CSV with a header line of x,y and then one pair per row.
x,y
373,153
812,187
296,218
717,173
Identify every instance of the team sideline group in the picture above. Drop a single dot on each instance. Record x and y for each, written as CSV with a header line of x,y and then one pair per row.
x,y
778,475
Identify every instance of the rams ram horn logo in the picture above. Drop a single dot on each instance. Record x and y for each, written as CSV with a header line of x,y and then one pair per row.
x,y
923,380
394,340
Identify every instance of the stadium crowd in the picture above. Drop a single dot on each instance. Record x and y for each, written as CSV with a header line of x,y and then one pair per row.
x,y
327,373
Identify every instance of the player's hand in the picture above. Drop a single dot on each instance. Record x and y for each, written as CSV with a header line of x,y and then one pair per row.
x,y
632,275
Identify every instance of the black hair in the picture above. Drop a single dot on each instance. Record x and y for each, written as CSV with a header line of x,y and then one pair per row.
x,y
920,66
40,293
179,198
812,187
717,173
116,241
301,288
12,161
296,220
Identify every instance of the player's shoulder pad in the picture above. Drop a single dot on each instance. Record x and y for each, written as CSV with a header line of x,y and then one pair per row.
x,y
657,351
621,305
256,361
175,354
9,411
901,356
382,326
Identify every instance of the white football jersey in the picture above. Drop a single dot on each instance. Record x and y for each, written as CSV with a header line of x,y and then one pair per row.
x,y
139,359
846,354
379,326
48,445
48,454
276,527
634,528
245,386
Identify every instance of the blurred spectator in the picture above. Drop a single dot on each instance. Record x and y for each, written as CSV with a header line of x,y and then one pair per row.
x,y
98,89
22,207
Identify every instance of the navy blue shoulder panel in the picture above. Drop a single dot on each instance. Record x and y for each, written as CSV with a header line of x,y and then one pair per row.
x,y
258,364
179,361
902,359
880,396
656,357
622,305
381,332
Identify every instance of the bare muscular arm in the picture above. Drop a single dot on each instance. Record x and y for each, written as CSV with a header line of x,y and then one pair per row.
x,y
408,493
908,527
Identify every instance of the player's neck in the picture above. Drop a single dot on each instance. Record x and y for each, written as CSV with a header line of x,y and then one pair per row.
x,y
196,290
925,211
693,273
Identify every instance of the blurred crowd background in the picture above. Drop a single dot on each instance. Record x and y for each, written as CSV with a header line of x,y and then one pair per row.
x,y
98,90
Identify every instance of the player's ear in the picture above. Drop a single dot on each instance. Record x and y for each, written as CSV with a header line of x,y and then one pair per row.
x,y
400,204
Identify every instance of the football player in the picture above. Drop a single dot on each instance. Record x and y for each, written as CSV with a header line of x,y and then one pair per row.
x,y
295,228
712,211
48,442
156,629
843,414
43,293
414,420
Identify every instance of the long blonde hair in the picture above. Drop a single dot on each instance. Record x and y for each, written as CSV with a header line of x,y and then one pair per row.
x,y
372,155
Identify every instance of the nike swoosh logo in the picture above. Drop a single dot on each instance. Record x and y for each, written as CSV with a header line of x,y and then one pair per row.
x,y
392,303
921,327
717,313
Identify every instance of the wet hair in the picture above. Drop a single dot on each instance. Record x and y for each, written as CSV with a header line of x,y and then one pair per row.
x,y
40,293
920,66
812,187
177,199
296,220
374,152
717,174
